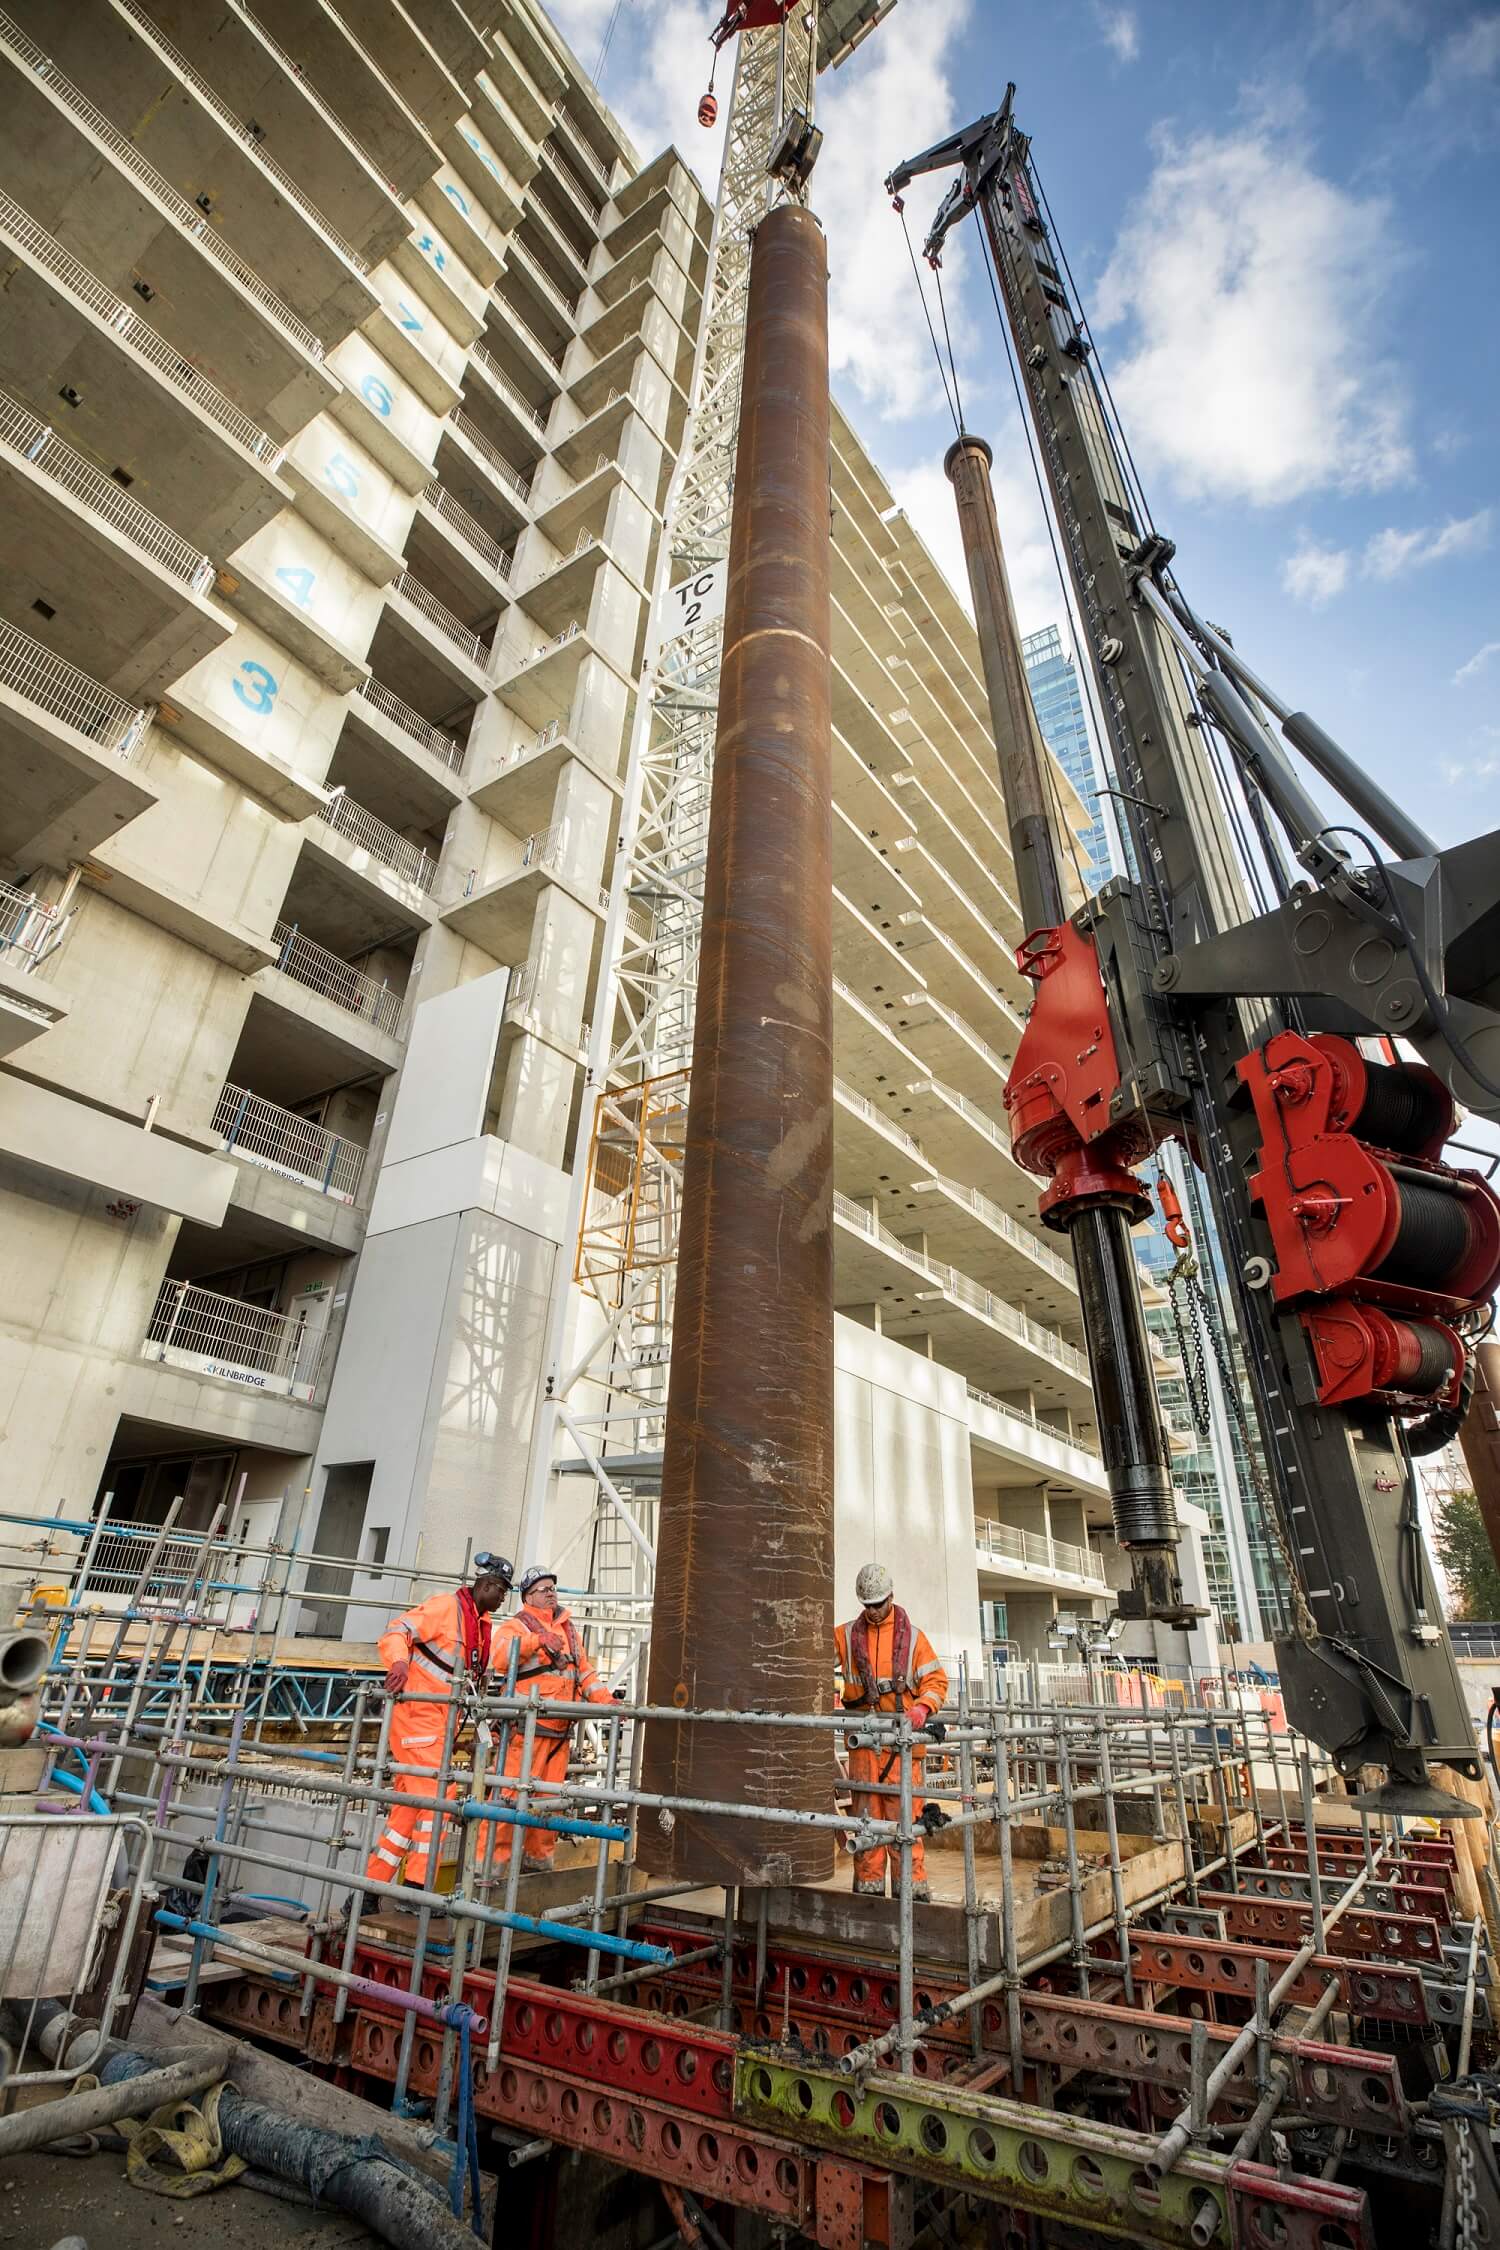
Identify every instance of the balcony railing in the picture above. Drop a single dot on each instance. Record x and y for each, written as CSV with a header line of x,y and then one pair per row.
x,y
559,164
514,320
470,429
1034,1421
887,1125
32,440
242,133
281,1141
247,1345
590,160
80,284
446,747
514,656
439,616
312,965
1038,1552
473,534
70,695
1003,1223
952,1283
31,928
540,276
126,154
960,1024
503,383
410,862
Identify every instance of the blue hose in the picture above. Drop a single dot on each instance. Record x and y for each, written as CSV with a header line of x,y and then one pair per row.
x,y
466,2131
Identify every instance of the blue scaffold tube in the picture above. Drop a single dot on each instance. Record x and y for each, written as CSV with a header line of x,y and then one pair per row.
x,y
596,1941
557,1824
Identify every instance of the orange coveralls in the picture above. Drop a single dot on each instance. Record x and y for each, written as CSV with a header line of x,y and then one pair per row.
x,y
922,1680
444,1630
551,1659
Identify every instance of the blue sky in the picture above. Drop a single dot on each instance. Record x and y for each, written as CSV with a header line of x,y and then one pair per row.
x,y
1283,221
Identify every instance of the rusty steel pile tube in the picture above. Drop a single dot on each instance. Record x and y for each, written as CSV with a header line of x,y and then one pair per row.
x,y
742,1617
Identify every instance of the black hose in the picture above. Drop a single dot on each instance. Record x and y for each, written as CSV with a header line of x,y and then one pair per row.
x,y
363,2177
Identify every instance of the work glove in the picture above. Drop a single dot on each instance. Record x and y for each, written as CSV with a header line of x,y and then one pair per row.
x,y
396,1676
919,1714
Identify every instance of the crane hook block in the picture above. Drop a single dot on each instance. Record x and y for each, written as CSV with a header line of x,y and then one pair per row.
x,y
708,108
1174,1224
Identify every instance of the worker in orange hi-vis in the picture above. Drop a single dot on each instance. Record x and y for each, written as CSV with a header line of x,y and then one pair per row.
x,y
887,1667
421,1650
551,1659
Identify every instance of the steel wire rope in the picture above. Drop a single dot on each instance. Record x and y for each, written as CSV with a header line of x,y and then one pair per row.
x,y
1085,670
1134,475
1270,1507
937,275
932,332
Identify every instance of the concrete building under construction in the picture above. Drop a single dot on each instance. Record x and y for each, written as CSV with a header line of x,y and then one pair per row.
x,y
342,400
571,1132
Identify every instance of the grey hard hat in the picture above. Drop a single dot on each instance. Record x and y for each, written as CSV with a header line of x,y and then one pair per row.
x,y
874,1582
534,1573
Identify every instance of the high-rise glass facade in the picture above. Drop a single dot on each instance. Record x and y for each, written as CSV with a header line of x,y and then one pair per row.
x,y
1052,677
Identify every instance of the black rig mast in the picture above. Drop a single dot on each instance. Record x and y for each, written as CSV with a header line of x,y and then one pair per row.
x,y
1359,1260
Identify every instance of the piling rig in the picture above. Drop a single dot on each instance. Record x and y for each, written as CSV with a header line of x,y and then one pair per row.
x,y
1244,999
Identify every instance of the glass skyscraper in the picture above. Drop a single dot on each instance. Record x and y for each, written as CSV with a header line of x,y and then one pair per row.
x,y
1053,679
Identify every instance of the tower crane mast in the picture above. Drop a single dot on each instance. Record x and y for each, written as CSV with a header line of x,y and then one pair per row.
x,y
1259,1034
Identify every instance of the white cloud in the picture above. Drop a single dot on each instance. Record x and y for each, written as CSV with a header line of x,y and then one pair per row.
x,y
1459,95
894,98
1391,553
1251,285
1315,574
1121,32
1484,765
926,495
1476,663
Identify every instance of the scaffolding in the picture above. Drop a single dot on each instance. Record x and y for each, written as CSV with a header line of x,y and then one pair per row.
x,y
1168,1980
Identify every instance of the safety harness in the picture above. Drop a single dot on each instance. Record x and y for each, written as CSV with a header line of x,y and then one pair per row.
x,y
861,1665
561,1652
474,1633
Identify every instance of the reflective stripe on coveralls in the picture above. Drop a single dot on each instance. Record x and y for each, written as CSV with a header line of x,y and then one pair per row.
x,y
552,1660
449,1628
925,1681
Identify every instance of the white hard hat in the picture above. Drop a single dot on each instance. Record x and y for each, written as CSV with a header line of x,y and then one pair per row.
x,y
874,1582
534,1575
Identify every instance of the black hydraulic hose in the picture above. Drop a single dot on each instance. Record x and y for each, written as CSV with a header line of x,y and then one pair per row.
x,y
363,2177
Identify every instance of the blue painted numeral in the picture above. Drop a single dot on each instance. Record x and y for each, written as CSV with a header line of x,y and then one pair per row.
x,y
376,394
342,475
299,583
262,691
407,317
454,197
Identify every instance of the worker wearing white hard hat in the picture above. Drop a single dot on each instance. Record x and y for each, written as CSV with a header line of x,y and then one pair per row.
x,y
550,1659
887,1667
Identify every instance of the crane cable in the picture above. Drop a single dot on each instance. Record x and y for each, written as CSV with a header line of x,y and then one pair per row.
x,y
932,332
1270,1511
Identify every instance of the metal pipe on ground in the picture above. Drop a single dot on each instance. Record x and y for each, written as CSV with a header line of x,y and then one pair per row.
x,y
101,2106
743,1609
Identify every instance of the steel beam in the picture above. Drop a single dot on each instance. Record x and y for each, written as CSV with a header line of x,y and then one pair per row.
x,y
742,1617
1069,2170
1366,1988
